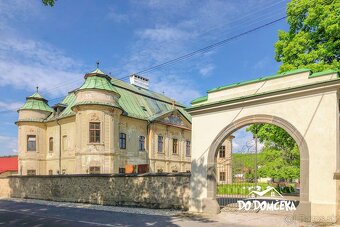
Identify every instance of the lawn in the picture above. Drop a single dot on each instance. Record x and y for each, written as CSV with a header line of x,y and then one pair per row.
x,y
246,188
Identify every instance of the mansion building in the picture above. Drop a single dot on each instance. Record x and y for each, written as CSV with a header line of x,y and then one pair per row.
x,y
104,126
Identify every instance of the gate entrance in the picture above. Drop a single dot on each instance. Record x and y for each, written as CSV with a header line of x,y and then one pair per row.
x,y
256,177
304,104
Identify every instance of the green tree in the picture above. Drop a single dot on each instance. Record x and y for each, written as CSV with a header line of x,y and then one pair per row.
x,y
48,2
273,164
280,157
313,39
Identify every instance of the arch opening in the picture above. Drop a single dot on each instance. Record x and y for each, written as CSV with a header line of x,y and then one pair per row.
x,y
225,135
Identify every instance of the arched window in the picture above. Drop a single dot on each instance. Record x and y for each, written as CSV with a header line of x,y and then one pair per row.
x,y
50,144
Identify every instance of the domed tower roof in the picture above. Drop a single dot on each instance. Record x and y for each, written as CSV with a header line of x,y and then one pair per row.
x,y
36,102
97,79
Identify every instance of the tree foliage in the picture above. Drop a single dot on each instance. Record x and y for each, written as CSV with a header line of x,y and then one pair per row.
x,y
274,165
313,39
48,2
280,158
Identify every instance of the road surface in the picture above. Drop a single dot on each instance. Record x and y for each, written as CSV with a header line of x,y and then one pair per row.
x,y
19,212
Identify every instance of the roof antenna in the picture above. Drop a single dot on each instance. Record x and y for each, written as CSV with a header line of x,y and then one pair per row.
x,y
97,64
37,87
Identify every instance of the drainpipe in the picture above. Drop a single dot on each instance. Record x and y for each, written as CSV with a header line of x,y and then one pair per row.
x,y
147,139
59,146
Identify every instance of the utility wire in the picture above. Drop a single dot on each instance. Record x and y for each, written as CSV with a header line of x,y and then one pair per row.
x,y
193,53
235,22
205,49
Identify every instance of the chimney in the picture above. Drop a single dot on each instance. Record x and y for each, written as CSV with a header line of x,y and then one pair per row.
x,y
139,81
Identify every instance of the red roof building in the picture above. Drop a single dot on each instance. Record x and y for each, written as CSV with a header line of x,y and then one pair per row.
x,y
8,164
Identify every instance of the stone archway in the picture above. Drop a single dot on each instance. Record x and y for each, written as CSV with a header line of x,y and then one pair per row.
x,y
303,103
304,206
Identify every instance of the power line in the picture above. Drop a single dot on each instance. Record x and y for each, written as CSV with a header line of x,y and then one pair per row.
x,y
193,53
244,16
205,49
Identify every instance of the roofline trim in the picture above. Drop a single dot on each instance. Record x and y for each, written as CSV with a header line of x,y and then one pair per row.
x,y
237,99
265,78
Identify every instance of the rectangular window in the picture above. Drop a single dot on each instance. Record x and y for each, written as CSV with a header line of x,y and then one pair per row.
x,y
50,172
174,146
121,170
142,143
94,170
94,132
187,148
222,176
122,140
31,143
222,152
160,144
31,172
50,145
159,170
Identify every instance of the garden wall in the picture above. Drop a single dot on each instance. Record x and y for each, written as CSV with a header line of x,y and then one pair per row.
x,y
143,190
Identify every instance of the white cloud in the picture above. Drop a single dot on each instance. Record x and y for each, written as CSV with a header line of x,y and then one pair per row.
x,y
206,70
9,145
25,76
175,28
164,34
244,142
27,63
175,87
10,106
117,17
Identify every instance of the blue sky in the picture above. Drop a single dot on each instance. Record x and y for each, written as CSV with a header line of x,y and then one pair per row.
x,y
54,47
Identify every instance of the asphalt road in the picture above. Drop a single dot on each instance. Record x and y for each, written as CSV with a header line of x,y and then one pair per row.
x,y
28,214
21,212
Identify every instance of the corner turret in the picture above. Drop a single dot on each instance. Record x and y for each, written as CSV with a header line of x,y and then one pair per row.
x,y
36,108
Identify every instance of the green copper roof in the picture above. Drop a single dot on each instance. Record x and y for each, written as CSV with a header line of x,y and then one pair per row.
x,y
36,102
142,103
96,103
323,73
134,101
200,99
98,71
36,95
258,80
97,81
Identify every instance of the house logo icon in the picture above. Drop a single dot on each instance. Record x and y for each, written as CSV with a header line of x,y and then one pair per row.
x,y
268,192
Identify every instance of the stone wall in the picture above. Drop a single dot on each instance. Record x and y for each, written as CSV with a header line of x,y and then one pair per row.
x,y
4,187
143,190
